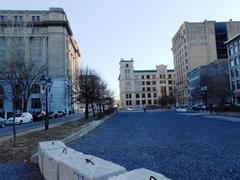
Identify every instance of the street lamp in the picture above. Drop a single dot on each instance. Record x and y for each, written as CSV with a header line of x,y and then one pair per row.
x,y
46,84
204,90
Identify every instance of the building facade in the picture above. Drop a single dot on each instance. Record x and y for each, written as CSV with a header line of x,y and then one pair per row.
x,y
140,88
209,84
233,46
46,38
196,44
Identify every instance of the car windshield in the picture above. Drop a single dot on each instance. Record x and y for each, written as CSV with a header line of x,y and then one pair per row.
x,y
18,115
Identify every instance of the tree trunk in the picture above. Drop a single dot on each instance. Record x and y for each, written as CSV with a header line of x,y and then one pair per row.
x,y
25,103
103,108
92,105
86,110
14,128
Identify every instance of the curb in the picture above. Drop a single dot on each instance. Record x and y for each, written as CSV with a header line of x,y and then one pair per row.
x,y
85,129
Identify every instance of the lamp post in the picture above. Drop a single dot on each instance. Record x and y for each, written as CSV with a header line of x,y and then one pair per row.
x,y
204,92
46,84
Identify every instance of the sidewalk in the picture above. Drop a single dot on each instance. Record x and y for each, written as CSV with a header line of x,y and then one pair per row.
x,y
228,116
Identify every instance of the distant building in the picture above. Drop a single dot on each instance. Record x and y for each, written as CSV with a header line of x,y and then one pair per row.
x,y
196,44
140,88
209,84
45,38
233,46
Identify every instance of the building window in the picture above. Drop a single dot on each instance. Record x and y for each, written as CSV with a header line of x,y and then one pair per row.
x,y
148,89
143,83
127,71
149,95
126,65
149,101
36,104
143,95
155,101
162,76
142,76
154,76
137,96
154,88
238,84
127,103
2,18
126,96
154,82
143,89
130,96
130,103
143,102
233,86
237,72
170,88
169,82
35,18
137,102
148,82
35,88
232,73
154,94
148,76
18,19
18,103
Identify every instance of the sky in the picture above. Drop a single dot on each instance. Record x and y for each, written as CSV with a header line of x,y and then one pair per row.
x,y
108,30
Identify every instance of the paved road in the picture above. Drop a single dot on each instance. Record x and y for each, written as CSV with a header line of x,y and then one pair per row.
x,y
177,146
7,130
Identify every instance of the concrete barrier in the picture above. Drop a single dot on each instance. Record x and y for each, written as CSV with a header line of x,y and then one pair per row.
x,y
46,146
139,174
88,168
51,159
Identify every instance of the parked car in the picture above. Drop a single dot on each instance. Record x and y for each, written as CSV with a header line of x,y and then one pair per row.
x,y
39,116
181,109
2,122
53,115
20,118
62,113
129,108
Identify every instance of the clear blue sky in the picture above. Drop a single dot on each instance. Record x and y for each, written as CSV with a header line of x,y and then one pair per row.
x,y
107,30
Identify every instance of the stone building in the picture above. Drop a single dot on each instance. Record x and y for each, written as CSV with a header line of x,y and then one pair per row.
x,y
233,46
140,88
45,37
196,44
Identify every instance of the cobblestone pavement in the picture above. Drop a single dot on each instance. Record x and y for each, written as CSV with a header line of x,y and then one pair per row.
x,y
177,146
20,171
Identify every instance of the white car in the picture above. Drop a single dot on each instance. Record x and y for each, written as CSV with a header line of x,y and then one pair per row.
x,y
181,109
2,122
20,118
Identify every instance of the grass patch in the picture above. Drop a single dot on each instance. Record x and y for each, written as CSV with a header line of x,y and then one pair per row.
x,y
26,145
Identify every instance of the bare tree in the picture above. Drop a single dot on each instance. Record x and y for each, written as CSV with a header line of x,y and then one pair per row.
x,y
84,88
31,75
11,73
20,75
90,89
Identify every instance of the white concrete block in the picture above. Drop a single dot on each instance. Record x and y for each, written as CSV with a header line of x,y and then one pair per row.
x,y
46,146
139,174
51,159
88,168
